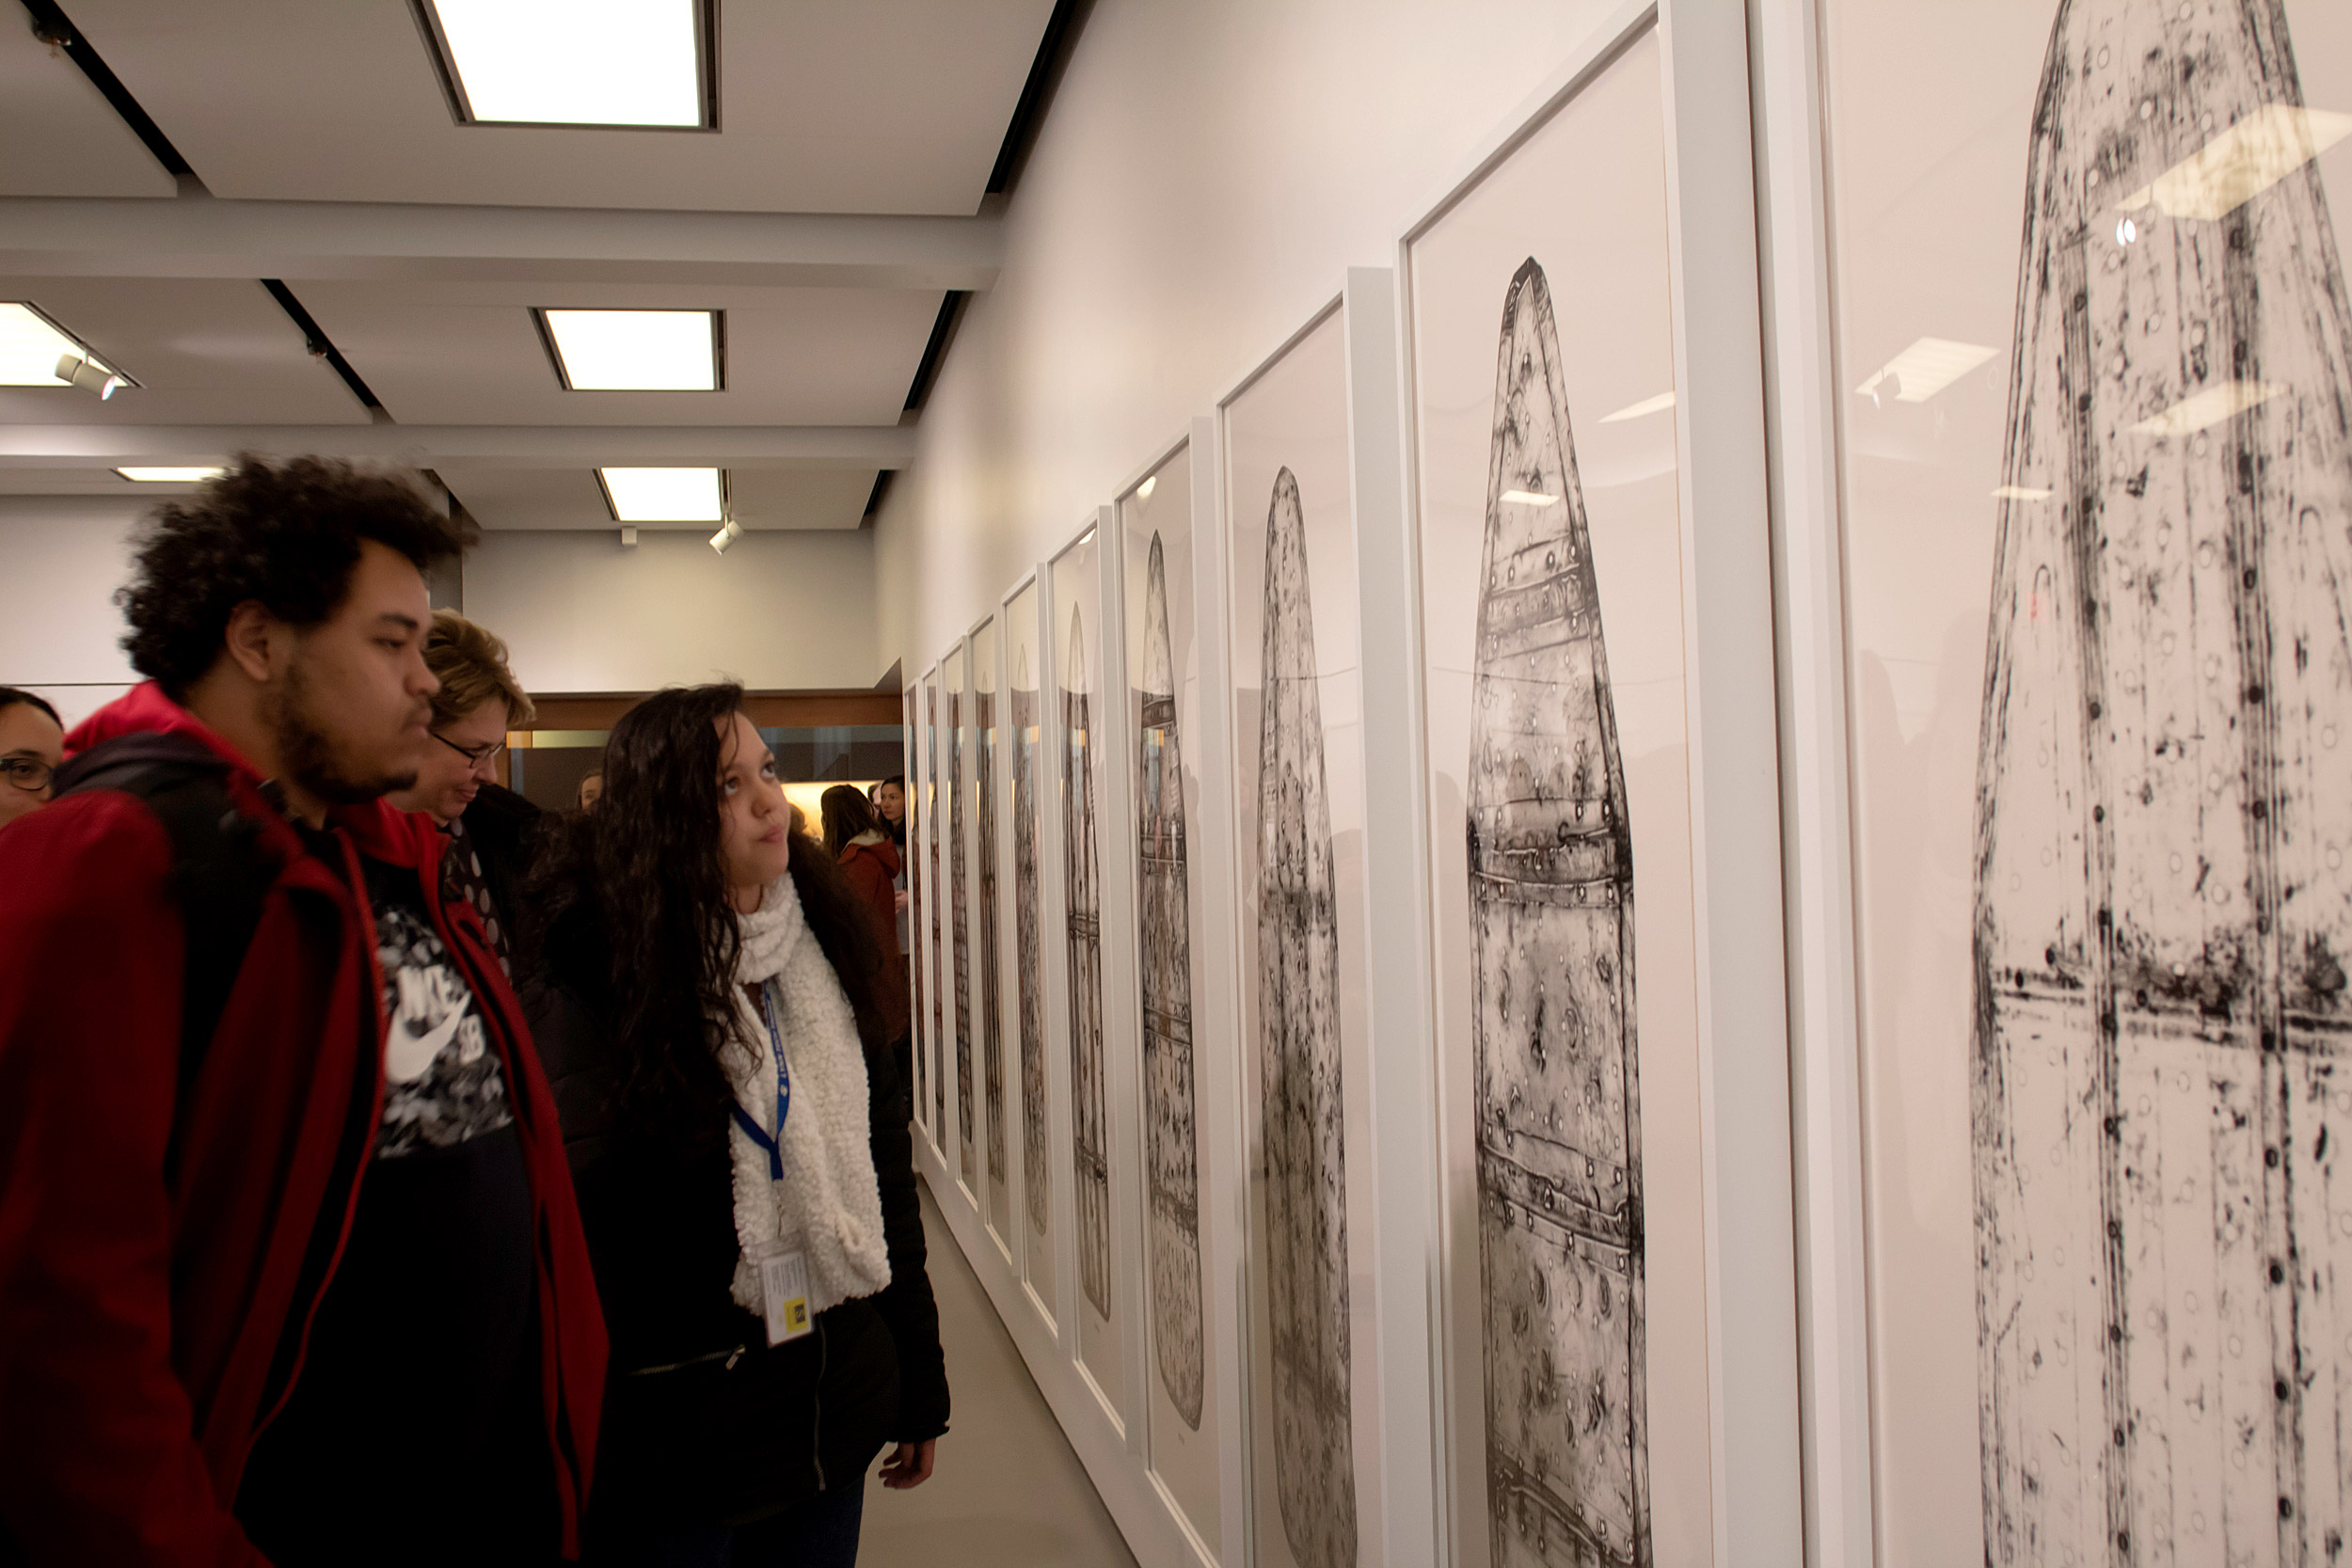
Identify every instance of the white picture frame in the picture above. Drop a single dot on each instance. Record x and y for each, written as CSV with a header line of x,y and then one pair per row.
x,y
1741,1449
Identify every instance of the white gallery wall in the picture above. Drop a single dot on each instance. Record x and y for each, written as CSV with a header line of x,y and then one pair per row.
x,y
1206,174
63,557
581,613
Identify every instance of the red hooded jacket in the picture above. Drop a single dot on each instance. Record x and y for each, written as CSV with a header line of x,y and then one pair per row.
x,y
143,1298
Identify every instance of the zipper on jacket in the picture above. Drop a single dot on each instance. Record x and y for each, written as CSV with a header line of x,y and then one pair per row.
x,y
817,1421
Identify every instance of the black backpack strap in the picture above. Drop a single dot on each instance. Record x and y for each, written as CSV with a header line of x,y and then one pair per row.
x,y
219,871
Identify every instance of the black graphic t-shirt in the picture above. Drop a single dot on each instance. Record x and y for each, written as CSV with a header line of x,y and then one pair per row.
x,y
423,1355
441,1080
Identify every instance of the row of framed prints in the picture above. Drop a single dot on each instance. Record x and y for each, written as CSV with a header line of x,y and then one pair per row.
x,y
1318,1019
1491,998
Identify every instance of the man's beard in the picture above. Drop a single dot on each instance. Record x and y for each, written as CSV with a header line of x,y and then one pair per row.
x,y
307,752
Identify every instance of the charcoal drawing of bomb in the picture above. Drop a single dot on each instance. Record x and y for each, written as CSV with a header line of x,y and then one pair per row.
x,y
1165,950
1557,1084
2162,912
1299,1047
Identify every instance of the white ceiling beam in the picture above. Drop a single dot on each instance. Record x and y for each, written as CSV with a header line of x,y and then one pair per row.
x,y
481,445
199,236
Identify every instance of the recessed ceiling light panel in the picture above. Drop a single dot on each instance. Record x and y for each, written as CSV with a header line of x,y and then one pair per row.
x,y
615,63
169,476
31,345
642,350
665,495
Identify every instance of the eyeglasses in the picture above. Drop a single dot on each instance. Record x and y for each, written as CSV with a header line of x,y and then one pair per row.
x,y
29,774
477,755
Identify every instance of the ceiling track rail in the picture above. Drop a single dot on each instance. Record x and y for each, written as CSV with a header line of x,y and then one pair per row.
x,y
55,29
315,338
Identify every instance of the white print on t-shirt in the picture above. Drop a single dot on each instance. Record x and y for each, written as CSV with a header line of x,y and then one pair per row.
x,y
441,1081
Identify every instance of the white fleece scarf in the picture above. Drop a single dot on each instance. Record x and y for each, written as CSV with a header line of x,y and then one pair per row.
x,y
828,1202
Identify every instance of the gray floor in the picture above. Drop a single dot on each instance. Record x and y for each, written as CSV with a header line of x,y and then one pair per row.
x,y
1007,1491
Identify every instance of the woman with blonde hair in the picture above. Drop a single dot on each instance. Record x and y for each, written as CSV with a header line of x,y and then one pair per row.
x,y
489,827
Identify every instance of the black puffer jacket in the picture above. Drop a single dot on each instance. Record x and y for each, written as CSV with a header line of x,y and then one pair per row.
x,y
724,1437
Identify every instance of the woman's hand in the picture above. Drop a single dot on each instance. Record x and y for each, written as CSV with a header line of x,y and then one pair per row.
x,y
909,1465
901,900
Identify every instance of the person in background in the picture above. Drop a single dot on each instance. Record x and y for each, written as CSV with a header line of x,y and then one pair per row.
x,y
291,1271
890,810
890,806
869,861
488,826
32,748
591,787
701,986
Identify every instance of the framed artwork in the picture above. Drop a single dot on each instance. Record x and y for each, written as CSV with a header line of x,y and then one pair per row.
x,y
1078,646
1027,999
954,815
923,803
1559,807
942,972
1177,1025
2096,481
986,958
1313,1420
1615,1326
917,989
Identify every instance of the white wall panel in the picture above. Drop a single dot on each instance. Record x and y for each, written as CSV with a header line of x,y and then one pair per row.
x,y
582,613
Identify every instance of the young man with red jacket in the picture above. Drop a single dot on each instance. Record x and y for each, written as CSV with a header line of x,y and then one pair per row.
x,y
308,1286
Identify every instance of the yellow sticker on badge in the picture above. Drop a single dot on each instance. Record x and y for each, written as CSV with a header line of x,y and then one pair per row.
x,y
784,1281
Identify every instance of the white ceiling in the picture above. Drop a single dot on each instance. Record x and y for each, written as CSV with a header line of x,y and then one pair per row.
x,y
469,353
59,136
205,351
863,131
825,105
762,499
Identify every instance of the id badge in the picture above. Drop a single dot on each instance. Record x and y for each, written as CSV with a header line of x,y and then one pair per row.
x,y
784,1281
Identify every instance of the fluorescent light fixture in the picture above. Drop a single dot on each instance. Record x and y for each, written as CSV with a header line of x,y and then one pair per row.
x,y
1528,497
1923,369
2208,407
2018,493
664,495
2241,162
1657,405
170,476
634,351
645,63
32,347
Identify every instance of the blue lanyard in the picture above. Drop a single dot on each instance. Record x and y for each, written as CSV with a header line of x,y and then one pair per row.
x,y
752,1130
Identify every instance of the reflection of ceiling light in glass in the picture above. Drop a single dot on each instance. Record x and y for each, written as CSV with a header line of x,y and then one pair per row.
x,y
1143,491
1923,369
32,346
2241,162
169,476
2018,493
1529,498
575,62
664,495
640,350
1657,405
2208,407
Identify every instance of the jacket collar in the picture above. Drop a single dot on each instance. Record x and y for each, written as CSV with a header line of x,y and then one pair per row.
x,y
395,837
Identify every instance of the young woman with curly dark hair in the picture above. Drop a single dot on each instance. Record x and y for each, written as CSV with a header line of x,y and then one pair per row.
x,y
703,992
